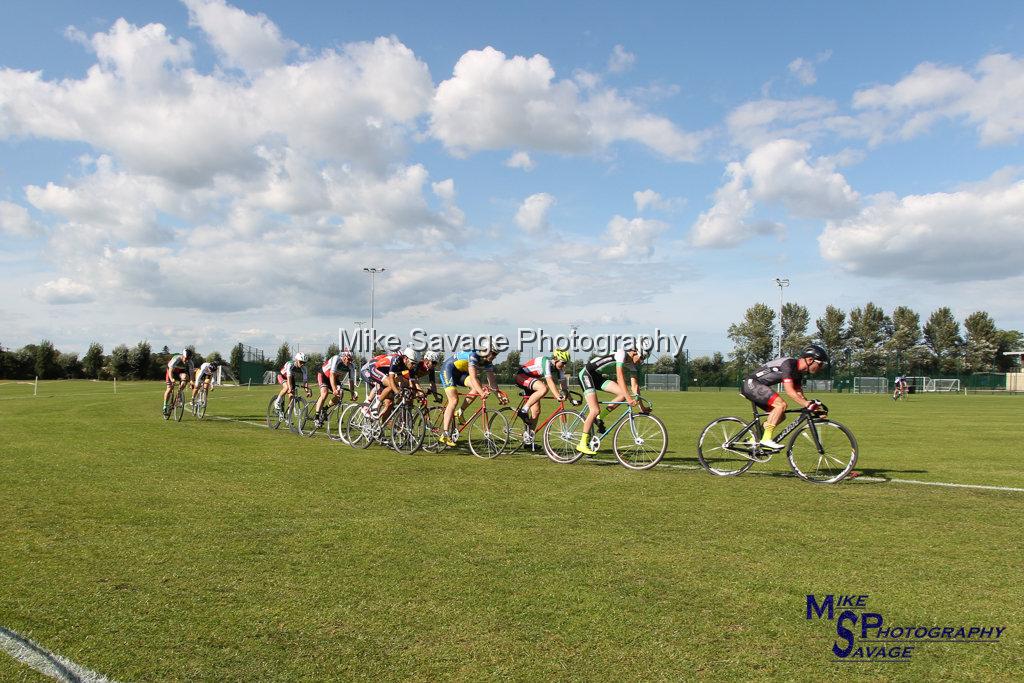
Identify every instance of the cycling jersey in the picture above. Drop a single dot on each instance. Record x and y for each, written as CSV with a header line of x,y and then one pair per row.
x,y
464,359
205,370
542,366
335,366
178,367
600,371
778,370
420,370
289,370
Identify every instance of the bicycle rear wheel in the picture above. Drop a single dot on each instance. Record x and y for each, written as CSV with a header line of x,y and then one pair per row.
x,y
488,435
335,423
562,435
434,422
274,416
640,441
716,451
514,436
825,465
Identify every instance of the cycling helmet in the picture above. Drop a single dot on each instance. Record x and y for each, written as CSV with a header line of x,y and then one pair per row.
x,y
187,353
432,356
411,354
345,355
816,352
300,358
561,354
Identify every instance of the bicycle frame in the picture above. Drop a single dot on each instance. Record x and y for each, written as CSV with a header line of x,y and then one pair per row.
x,y
754,427
558,411
628,415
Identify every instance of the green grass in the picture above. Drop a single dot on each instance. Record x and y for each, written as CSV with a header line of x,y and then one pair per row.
x,y
149,550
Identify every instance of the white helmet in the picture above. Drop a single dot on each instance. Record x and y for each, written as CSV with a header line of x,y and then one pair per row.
x,y
432,356
300,358
411,354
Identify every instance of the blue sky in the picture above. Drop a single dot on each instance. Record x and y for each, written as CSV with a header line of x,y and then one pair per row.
x,y
204,172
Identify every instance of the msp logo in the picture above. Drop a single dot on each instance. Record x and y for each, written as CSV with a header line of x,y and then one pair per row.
x,y
863,636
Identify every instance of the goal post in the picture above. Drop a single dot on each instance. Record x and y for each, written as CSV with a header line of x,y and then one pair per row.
x,y
870,385
657,382
943,385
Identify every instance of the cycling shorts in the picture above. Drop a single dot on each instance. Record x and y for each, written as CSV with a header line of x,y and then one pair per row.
x,y
761,395
177,374
453,377
591,380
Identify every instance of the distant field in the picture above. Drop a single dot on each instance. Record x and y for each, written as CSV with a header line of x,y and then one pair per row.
x,y
148,550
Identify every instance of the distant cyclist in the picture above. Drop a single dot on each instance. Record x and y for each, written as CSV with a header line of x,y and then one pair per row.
x,y
758,387
615,373
204,377
289,375
899,387
465,369
540,376
179,369
335,369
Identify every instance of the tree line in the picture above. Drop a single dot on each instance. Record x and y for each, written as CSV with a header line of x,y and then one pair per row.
x,y
865,341
44,361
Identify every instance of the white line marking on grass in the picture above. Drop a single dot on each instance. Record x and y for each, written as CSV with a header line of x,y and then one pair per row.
x,y
46,662
672,466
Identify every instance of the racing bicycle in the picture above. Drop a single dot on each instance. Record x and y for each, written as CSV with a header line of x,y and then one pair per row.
x,y
639,439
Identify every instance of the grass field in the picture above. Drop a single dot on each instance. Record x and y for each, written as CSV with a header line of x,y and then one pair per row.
x,y
148,550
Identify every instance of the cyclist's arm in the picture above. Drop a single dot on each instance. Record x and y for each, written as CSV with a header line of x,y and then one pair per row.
x,y
796,392
474,381
554,388
492,379
620,372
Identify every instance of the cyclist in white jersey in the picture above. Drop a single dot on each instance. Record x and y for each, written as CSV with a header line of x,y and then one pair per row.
x,y
179,369
329,379
204,377
289,375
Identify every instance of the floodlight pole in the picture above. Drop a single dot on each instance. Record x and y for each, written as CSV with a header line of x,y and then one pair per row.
x,y
373,272
782,283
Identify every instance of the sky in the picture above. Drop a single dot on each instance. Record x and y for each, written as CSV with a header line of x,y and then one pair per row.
x,y
206,172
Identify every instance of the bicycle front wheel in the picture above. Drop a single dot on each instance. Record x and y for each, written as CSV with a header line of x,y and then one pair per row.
x,y
274,416
179,407
307,423
408,430
719,448
358,425
201,408
826,458
640,442
488,435
297,415
562,434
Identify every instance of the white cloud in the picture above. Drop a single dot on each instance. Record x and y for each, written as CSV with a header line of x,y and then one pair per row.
x,y
632,238
251,43
649,199
779,172
945,236
755,123
803,70
532,215
620,60
991,98
520,160
63,291
15,221
495,102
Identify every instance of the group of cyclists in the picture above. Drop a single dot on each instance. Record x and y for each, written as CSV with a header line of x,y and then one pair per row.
x,y
181,371
614,373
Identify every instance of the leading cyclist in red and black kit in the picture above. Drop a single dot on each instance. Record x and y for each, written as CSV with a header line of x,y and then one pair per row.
x,y
757,387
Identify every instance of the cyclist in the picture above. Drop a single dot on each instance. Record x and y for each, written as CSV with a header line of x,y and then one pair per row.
x,y
287,377
329,380
399,369
608,372
899,387
758,387
179,369
539,376
204,377
463,369
426,368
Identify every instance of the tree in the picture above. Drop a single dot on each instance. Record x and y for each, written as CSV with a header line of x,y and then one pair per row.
x,y
942,335
332,350
284,354
904,344
139,360
120,366
92,364
69,365
46,360
215,357
237,356
507,369
982,342
832,334
869,329
665,365
752,338
710,371
314,361
795,320
1009,340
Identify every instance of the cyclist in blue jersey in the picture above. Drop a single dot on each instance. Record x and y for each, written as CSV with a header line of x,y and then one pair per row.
x,y
464,369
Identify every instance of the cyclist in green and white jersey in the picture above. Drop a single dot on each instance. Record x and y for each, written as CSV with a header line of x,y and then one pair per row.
x,y
608,373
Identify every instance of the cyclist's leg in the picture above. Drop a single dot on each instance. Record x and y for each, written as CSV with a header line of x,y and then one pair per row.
x,y
537,389
167,392
324,390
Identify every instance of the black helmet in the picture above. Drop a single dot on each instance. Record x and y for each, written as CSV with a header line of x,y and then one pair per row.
x,y
816,352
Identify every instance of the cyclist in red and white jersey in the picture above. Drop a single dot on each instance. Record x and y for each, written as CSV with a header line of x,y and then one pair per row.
x,y
288,375
539,376
334,370
179,369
